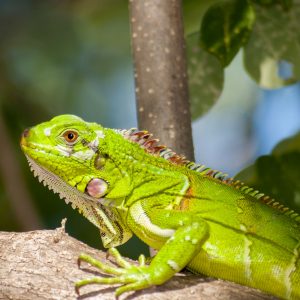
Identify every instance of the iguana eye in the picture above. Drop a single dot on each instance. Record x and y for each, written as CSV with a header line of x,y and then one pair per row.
x,y
70,136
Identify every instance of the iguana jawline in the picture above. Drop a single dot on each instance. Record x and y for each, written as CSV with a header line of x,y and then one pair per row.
x,y
53,182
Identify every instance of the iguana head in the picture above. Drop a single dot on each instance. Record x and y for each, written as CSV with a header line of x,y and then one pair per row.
x,y
68,147
69,155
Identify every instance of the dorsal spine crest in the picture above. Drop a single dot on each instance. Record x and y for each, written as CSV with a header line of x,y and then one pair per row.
x,y
150,145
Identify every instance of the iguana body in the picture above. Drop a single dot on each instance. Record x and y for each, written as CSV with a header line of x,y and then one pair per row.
x,y
125,184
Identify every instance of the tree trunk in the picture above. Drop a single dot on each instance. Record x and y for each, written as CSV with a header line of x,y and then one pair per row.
x,y
160,72
43,265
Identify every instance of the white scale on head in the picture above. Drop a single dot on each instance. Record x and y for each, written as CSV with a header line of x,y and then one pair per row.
x,y
47,131
100,134
84,155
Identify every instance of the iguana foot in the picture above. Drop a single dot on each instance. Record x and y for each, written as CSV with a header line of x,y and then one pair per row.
x,y
131,276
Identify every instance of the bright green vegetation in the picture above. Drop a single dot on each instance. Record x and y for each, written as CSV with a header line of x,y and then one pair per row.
x,y
126,184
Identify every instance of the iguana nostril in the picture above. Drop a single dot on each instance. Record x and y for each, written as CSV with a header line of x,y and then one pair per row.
x,y
25,135
26,132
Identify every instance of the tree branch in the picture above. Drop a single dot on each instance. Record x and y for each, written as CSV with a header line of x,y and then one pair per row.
x,y
43,265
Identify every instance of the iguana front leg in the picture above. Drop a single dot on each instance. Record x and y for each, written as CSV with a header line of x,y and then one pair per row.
x,y
186,232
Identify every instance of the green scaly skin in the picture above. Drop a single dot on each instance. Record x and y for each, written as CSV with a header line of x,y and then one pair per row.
x,y
211,226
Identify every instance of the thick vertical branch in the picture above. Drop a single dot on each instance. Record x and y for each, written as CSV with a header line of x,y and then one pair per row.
x,y
160,72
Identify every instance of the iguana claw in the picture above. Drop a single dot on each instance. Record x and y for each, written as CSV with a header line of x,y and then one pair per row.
x,y
133,277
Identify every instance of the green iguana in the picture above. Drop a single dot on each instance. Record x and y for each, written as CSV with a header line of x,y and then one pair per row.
x,y
125,184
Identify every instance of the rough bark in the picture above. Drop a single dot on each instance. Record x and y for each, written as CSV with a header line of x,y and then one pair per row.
x,y
43,265
160,72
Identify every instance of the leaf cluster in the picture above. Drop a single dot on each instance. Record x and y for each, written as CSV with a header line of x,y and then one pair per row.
x,y
266,31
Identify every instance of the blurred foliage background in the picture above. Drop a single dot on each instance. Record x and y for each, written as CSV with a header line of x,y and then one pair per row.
x,y
73,56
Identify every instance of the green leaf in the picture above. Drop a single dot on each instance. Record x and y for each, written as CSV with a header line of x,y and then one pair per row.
x,y
291,144
226,27
206,77
193,12
278,174
272,55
